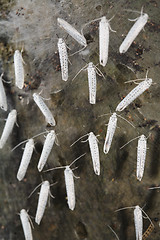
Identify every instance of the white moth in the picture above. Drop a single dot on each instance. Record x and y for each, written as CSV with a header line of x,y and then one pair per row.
x,y
62,49
44,109
48,144
138,221
69,182
26,224
72,32
93,145
132,95
3,98
104,28
92,81
141,156
11,119
27,154
133,33
42,201
19,70
110,132
103,41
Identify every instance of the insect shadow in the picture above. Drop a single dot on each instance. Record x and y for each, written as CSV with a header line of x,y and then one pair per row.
x,y
58,97
121,156
16,135
155,153
124,220
81,230
78,149
150,200
59,188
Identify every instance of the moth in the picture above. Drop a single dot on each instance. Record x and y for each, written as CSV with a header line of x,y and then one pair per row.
x,y
63,55
93,145
133,33
48,144
42,201
11,119
138,220
132,95
19,70
92,80
3,98
26,158
26,224
72,32
69,182
44,109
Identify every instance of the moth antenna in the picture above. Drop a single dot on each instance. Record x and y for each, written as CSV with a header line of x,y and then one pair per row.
x,y
94,20
51,194
133,20
78,139
54,168
37,135
27,140
130,10
138,79
79,72
113,232
147,217
30,221
129,142
77,51
100,72
35,189
104,114
154,187
77,159
124,208
125,120
19,145
53,184
109,21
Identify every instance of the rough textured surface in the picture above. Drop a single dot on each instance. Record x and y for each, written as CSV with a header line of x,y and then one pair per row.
x,y
32,25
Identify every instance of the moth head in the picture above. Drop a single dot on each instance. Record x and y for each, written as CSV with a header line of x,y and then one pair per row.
x,y
60,40
121,50
46,183
3,108
91,134
30,141
35,96
13,113
149,81
143,137
22,212
68,169
17,52
114,115
104,20
90,65
52,133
